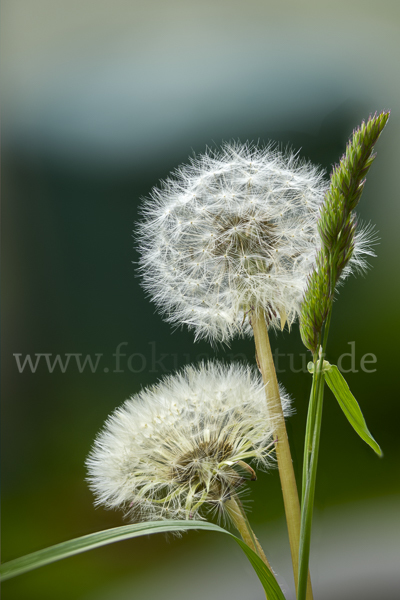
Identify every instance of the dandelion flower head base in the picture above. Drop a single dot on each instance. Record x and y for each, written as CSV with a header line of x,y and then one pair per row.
x,y
184,444
231,230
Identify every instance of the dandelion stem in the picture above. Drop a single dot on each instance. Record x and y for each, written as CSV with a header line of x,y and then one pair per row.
x,y
285,464
239,518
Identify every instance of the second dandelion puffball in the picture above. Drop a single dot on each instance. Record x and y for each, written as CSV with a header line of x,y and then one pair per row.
x,y
184,444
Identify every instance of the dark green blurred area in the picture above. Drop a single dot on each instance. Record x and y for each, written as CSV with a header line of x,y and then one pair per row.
x,y
70,285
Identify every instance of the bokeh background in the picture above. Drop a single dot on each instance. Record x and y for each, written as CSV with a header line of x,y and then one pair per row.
x,y
102,99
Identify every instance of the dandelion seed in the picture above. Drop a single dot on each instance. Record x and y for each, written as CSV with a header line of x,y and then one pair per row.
x,y
193,461
253,245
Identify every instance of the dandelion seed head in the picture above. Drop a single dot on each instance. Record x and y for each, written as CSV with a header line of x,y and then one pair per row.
x,y
232,231
183,445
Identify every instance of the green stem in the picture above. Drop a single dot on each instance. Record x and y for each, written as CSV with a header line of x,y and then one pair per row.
x,y
283,455
308,497
313,432
308,440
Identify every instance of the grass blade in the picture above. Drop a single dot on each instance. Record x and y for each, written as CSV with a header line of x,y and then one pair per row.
x,y
266,577
350,406
49,555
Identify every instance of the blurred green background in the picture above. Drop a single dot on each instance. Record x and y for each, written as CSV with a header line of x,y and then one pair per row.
x,y
101,100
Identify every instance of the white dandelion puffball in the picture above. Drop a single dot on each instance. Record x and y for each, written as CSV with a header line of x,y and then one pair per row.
x,y
183,444
232,231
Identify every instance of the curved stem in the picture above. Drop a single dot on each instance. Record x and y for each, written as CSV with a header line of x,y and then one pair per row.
x,y
285,464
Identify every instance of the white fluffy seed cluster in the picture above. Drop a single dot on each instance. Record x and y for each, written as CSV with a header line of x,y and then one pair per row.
x,y
231,231
182,445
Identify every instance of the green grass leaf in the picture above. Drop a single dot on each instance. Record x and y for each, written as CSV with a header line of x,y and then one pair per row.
x,y
268,581
349,406
101,538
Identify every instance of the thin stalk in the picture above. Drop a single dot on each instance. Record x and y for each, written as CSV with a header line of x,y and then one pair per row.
x,y
308,501
284,458
308,439
314,421
239,518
